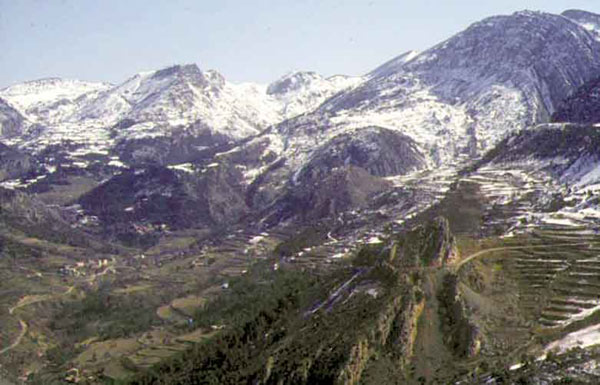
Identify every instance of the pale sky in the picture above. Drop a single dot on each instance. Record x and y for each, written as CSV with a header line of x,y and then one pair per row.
x,y
245,40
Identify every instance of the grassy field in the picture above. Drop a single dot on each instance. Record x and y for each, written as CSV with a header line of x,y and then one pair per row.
x,y
130,313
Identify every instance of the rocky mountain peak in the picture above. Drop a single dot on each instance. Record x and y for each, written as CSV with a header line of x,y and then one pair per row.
x,y
589,21
293,81
538,57
215,78
581,15
190,73
394,65
177,70
512,49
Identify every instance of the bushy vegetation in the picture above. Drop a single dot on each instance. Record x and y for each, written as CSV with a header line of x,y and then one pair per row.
x,y
300,328
257,311
308,237
17,251
103,315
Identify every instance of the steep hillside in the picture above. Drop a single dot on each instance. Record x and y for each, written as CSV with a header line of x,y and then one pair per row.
x,y
583,106
570,152
11,121
543,56
359,327
145,202
499,75
341,189
380,151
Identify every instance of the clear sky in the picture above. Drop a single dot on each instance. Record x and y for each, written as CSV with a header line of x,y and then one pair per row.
x,y
246,40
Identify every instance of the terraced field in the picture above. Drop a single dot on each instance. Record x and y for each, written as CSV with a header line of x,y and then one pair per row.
x,y
544,273
560,285
119,358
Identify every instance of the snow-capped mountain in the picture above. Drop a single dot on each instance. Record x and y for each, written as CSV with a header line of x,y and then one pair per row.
x,y
50,101
543,56
153,103
501,74
452,102
443,106
180,100
460,97
300,92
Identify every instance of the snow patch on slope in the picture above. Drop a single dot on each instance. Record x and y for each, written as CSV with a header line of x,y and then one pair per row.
x,y
47,101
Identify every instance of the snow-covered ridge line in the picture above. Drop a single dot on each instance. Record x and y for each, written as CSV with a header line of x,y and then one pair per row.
x,y
154,104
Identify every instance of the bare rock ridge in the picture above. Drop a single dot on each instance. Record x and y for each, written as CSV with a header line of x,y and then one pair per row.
x,y
542,55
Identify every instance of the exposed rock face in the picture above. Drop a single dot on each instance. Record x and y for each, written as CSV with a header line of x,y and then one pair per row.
x,y
193,144
386,332
429,245
344,188
461,336
157,196
11,121
583,106
589,21
544,56
380,151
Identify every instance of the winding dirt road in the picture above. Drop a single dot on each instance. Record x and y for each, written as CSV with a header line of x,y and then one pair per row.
x,y
17,341
26,301
478,254
29,300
